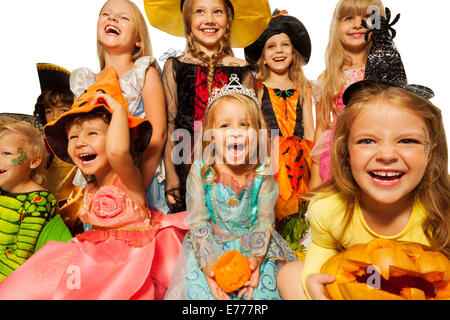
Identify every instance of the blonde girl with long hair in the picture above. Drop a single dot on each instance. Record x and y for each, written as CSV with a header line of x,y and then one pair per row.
x,y
279,56
123,42
382,130
211,29
345,61
230,205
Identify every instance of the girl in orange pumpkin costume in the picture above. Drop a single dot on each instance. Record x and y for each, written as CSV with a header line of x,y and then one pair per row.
x,y
279,56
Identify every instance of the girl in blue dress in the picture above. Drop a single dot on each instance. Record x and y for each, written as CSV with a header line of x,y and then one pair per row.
x,y
230,196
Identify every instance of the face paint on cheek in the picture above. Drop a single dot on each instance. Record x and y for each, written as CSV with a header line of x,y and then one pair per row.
x,y
427,144
20,160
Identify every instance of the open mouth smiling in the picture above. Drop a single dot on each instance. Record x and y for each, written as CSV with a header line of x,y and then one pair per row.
x,y
209,30
237,147
112,30
87,158
386,176
357,34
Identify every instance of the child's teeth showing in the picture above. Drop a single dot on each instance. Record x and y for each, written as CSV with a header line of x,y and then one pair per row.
x,y
87,158
386,176
112,30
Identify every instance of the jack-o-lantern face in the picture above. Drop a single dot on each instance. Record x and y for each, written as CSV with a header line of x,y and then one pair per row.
x,y
388,270
232,271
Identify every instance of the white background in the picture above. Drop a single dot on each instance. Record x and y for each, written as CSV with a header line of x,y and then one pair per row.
x,y
63,32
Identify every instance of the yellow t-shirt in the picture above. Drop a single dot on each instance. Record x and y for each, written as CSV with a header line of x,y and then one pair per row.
x,y
326,217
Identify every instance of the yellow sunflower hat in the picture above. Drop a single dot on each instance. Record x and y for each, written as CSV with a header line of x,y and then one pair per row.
x,y
251,18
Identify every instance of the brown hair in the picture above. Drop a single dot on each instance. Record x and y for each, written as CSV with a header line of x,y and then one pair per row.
x,y
78,119
143,37
193,48
33,144
433,190
51,98
336,58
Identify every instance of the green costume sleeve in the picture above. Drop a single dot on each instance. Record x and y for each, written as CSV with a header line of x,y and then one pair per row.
x,y
22,218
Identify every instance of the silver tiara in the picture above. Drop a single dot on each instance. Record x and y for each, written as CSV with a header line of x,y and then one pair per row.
x,y
233,87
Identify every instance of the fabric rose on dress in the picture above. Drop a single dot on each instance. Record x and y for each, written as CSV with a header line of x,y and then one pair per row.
x,y
108,202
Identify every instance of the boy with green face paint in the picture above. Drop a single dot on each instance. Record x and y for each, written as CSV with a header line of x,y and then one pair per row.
x,y
25,206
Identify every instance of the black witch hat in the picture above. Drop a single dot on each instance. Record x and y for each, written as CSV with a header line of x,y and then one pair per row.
x,y
384,64
281,22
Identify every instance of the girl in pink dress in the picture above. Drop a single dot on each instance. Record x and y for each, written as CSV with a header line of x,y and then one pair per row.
x,y
345,64
131,251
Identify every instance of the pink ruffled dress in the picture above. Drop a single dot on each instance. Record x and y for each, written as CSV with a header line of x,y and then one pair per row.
x,y
130,254
321,150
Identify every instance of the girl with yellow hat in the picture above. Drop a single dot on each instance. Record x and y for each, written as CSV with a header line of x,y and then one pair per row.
x,y
211,29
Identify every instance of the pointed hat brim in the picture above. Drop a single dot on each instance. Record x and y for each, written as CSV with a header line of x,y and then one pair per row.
x,y
420,90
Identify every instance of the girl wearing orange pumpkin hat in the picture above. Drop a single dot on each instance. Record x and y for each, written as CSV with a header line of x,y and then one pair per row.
x,y
232,250
212,28
123,42
279,55
131,251
390,165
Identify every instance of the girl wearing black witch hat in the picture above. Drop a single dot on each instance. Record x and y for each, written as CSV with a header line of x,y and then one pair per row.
x,y
389,159
278,57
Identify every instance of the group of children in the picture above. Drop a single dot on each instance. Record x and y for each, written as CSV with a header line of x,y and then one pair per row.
x,y
153,175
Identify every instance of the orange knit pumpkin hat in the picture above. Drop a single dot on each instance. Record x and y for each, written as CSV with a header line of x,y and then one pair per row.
x,y
55,131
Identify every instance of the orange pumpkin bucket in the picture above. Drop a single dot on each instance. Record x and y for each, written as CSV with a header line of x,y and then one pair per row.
x,y
232,271
389,270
